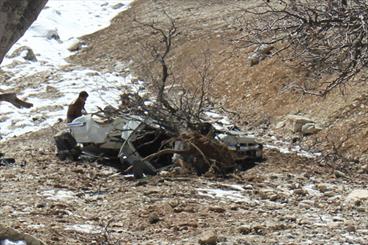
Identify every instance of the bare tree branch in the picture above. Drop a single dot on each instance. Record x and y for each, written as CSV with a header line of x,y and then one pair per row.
x,y
14,100
326,38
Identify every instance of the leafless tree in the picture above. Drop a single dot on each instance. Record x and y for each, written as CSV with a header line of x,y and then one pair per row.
x,y
179,102
327,38
14,100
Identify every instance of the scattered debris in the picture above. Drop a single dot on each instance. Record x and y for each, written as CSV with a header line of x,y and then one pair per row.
x,y
143,146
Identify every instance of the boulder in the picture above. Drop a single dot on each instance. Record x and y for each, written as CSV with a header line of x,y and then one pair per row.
x,y
310,128
295,122
24,52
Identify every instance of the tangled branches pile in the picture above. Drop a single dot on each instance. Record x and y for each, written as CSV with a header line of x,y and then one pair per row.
x,y
324,37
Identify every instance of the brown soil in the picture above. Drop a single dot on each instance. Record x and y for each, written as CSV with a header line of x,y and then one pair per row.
x,y
286,199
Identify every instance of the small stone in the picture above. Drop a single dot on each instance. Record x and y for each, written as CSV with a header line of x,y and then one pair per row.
x,y
310,128
53,34
245,229
340,174
51,89
208,238
329,194
300,192
217,209
153,218
141,183
322,187
363,169
305,204
117,6
76,46
280,125
350,228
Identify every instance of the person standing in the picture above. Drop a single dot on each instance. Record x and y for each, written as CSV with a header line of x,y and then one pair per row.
x,y
76,109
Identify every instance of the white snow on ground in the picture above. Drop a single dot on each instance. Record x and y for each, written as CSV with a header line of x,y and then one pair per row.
x,y
69,19
84,228
223,194
8,242
59,195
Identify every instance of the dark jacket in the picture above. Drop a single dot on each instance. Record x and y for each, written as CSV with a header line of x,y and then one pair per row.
x,y
75,110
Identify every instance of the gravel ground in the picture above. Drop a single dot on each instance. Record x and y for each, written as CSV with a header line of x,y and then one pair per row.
x,y
286,199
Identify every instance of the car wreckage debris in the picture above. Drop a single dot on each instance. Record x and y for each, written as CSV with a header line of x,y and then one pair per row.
x,y
144,144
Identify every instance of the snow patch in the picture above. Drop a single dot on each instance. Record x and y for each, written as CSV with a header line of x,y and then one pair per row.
x,y
9,242
84,228
57,27
59,195
60,24
223,194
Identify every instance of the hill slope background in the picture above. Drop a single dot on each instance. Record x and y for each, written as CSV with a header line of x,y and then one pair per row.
x,y
258,93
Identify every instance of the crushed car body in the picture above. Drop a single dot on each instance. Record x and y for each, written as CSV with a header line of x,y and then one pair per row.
x,y
143,147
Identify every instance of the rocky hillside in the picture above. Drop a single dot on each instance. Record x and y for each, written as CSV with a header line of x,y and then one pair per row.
x,y
258,94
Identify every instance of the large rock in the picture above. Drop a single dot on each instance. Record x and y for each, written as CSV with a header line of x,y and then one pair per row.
x,y
24,52
296,123
310,128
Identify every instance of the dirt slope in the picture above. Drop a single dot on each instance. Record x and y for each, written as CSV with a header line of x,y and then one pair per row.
x,y
284,200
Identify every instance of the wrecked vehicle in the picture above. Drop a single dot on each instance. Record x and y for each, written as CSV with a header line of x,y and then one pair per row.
x,y
142,146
